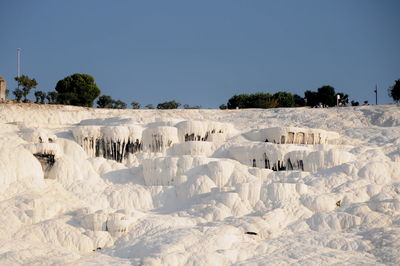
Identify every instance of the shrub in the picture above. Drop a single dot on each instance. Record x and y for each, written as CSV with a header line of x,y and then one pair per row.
x,y
168,105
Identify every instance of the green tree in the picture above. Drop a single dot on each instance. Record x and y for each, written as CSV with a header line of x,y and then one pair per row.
x,y
40,96
223,107
118,104
18,94
256,100
37,96
299,101
394,91
311,98
43,97
149,106
238,101
52,97
168,105
135,105
271,103
27,84
105,101
327,95
77,89
285,99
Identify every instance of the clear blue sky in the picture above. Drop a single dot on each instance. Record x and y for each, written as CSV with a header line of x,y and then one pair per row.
x,y
204,52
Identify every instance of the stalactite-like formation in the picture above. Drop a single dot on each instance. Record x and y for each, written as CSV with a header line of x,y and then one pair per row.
x,y
158,139
297,165
117,142
271,156
117,150
287,148
293,135
114,143
204,137
202,130
46,153
47,160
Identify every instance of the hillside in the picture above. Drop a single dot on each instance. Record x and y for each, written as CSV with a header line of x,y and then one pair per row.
x,y
87,186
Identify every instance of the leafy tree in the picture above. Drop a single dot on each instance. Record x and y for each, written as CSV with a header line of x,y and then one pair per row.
x,y
135,105
105,101
118,104
238,101
272,103
394,91
27,84
77,89
223,107
168,105
149,106
285,99
261,100
37,96
327,95
298,101
43,97
256,100
40,96
18,94
354,103
52,97
311,98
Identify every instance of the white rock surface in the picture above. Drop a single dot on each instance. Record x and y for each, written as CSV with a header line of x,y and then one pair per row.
x,y
191,187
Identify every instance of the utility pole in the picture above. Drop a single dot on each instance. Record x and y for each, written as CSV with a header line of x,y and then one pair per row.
x,y
18,62
376,94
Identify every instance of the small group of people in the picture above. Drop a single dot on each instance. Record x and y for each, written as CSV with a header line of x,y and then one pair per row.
x,y
341,104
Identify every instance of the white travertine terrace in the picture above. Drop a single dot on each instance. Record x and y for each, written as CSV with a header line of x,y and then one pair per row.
x,y
159,138
194,148
293,135
112,142
289,157
132,190
202,130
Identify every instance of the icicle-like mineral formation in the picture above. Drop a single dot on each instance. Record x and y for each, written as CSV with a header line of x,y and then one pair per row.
x,y
46,153
113,142
268,155
293,135
288,157
296,151
157,139
202,130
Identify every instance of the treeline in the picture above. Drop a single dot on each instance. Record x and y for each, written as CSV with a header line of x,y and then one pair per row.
x,y
106,101
323,97
81,90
